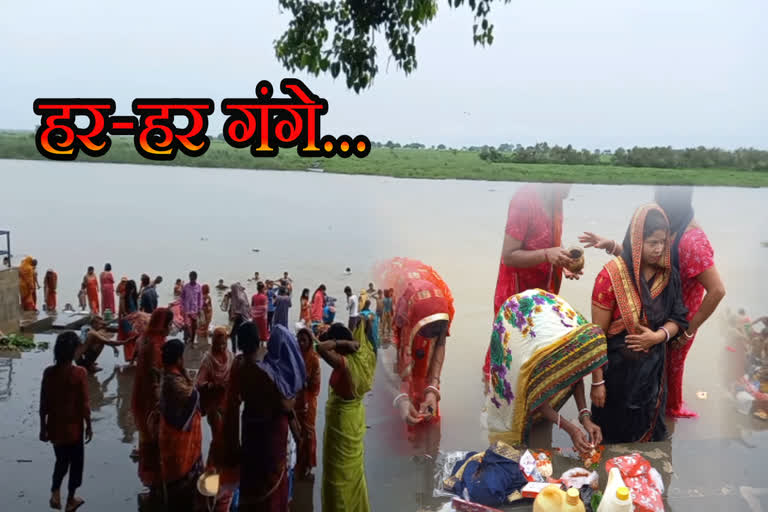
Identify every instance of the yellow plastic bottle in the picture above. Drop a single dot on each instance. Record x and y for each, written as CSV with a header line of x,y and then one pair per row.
x,y
573,501
550,499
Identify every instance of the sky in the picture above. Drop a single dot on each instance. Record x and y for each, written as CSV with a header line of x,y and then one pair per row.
x,y
597,74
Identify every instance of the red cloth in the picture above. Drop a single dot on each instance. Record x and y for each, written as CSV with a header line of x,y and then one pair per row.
x,y
64,400
317,306
92,288
107,292
529,221
259,304
603,294
696,256
646,485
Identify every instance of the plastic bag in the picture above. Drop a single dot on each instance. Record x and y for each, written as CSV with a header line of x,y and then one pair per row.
x,y
579,477
536,466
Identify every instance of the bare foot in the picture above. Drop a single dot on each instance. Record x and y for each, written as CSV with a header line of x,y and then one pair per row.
x,y
74,503
55,501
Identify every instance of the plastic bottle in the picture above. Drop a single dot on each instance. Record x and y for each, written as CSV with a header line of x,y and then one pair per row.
x,y
610,502
550,499
573,501
619,501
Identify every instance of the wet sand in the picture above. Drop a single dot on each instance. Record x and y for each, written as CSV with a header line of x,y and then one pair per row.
x,y
321,225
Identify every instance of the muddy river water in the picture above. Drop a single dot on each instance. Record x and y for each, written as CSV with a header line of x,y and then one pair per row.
x,y
169,220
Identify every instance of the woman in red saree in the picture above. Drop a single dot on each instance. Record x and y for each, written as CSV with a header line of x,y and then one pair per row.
x,y
50,283
180,436
692,255
107,282
92,289
28,284
146,393
306,406
318,303
266,382
422,318
532,256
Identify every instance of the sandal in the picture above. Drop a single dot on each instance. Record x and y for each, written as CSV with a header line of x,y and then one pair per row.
x,y
74,504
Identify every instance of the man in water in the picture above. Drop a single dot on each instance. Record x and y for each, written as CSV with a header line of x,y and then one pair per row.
x,y
88,352
191,305
352,308
221,285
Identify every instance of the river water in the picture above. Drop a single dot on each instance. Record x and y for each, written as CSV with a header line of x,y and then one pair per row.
x,y
169,220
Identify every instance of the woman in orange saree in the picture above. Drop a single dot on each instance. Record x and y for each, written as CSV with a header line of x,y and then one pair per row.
x,y
107,282
146,394
180,436
422,318
28,284
50,283
306,406
92,288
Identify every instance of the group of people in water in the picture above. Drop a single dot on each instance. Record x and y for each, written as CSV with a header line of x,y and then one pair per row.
x,y
647,305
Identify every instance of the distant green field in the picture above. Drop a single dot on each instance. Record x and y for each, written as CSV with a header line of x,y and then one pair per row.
x,y
411,163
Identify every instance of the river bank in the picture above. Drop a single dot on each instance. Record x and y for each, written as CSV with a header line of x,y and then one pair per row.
x,y
170,220
408,163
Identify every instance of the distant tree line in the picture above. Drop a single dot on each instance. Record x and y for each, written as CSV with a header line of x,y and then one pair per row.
x,y
658,156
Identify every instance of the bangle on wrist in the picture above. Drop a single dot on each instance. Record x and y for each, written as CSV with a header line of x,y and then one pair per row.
x,y
434,390
546,258
687,336
595,384
665,332
397,399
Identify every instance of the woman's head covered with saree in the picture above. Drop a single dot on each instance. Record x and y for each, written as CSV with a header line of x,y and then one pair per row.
x,y
239,301
540,347
283,362
421,298
647,240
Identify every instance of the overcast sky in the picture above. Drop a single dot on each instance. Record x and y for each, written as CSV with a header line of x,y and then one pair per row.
x,y
595,73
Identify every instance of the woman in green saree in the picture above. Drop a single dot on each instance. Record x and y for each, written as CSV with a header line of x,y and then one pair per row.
x,y
353,359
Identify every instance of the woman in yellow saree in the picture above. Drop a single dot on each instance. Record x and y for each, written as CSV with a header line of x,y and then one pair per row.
x,y
353,359
28,284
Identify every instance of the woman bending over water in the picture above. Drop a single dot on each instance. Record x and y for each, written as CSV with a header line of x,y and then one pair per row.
x,y
541,349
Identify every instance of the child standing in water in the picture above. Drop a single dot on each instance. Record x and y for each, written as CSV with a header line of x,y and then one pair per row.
x,y
64,411
81,296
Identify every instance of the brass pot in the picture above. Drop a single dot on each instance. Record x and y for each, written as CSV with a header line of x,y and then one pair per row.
x,y
577,255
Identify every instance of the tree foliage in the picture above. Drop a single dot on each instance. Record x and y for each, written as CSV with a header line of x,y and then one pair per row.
x,y
338,36
659,157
